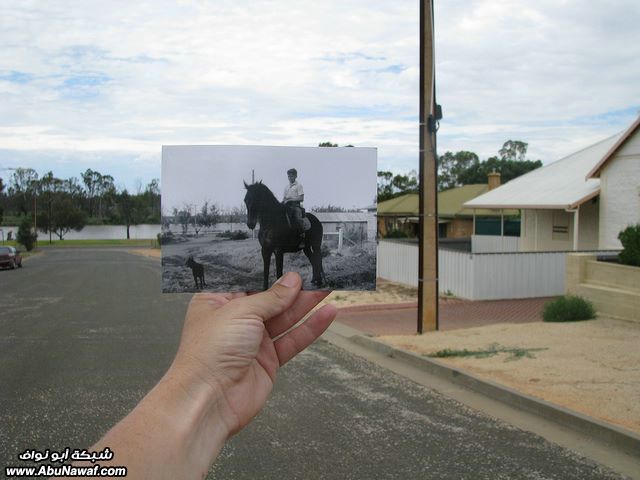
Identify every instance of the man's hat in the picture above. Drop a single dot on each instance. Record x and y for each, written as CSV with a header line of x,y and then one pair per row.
x,y
292,170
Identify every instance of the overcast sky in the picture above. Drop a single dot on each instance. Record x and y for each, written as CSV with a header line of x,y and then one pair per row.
x,y
192,175
104,85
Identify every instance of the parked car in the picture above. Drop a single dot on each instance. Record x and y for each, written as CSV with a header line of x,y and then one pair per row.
x,y
10,257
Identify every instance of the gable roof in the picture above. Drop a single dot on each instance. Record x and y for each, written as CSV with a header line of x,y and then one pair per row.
x,y
558,185
595,171
403,205
450,203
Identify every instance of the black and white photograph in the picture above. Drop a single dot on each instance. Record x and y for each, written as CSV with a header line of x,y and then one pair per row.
x,y
234,218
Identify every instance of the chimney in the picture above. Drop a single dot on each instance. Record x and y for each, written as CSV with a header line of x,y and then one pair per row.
x,y
494,180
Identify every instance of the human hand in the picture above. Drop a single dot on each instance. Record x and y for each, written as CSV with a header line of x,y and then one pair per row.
x,y
234,344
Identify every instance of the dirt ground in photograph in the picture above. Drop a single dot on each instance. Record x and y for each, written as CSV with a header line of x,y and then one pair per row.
x,y
236,265
592,367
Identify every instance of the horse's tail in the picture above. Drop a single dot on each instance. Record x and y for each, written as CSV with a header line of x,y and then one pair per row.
x,y
317,233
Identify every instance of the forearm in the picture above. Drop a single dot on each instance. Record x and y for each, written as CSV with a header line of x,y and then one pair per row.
x,y
176,431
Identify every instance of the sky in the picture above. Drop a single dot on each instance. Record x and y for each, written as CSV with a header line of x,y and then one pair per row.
x,y
342,177
103,85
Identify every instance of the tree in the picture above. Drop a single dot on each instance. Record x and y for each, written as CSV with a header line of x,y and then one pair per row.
x,y
451,165
64,215
105,191
128,209
327,144
508,170
91,181
385,190
22,187
391,186
151,200
513,150
1,207
26,236
48,186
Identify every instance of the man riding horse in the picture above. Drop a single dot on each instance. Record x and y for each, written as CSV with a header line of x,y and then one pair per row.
x,y
292,200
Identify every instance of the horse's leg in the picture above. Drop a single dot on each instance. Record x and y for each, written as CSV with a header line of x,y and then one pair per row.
x,y
266,259
279,262
311,255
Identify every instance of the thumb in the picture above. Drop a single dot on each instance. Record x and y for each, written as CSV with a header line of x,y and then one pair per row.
x,y
274,301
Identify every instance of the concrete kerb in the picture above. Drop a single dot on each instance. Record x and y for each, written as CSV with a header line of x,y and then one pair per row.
x,y
610,434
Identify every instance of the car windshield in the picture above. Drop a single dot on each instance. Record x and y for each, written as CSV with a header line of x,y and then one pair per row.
x,y
4,250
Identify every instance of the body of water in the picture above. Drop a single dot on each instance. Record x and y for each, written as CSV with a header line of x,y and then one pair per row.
x,y
116,232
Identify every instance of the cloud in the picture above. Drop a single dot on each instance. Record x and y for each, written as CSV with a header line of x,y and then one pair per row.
x,y
106,80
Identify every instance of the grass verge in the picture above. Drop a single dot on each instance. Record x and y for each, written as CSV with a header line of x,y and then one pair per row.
x,y
515,353
145,242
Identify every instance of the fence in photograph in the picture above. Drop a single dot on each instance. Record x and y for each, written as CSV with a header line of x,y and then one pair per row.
x,y
339,236
494,244
479,276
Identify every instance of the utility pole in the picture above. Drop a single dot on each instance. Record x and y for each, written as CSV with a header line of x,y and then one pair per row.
x,y
430,113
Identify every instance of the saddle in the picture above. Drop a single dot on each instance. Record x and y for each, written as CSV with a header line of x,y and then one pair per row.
x,y
306,224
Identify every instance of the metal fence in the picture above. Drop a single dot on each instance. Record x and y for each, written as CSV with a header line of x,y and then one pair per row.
x,y
479,276
494,244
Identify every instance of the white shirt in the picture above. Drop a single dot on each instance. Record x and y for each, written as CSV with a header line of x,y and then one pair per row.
x,y
293,190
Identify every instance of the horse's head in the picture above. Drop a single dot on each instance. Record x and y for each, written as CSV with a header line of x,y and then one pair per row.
x,y
251,200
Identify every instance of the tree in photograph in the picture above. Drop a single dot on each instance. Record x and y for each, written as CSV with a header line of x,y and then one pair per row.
x,y
64,215
328,208
207,217
22,187
183,218
26,236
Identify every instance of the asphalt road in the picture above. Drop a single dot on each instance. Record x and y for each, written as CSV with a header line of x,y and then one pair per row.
x,y
84,334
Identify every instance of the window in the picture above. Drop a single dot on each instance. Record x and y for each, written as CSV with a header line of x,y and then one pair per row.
x,y
560,227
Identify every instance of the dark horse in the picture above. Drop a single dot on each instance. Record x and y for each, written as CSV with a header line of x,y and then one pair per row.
x,y
277,236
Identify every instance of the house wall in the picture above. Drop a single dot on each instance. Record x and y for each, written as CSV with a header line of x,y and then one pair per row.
x,y
550,241
620,193
460,228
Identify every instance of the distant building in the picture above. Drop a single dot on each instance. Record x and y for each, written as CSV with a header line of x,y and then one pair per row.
x,y
454,220
354,225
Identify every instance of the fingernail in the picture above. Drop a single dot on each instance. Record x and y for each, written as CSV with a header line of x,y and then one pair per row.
x,y
288,280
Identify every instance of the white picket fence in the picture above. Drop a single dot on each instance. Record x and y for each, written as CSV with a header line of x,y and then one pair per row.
x,y
484,276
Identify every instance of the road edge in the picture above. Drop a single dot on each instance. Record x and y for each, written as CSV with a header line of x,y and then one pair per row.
x,y
612,435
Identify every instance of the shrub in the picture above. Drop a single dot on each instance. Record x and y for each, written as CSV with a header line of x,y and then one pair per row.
x,y
26,235
396,234
568,309
630,239
235,235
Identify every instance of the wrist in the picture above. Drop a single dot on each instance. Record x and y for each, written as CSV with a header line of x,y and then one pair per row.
x,y
196,410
